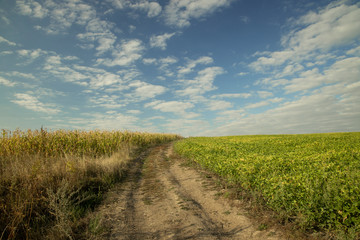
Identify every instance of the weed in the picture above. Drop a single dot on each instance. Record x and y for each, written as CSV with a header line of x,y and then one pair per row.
x,y
96,225
262,227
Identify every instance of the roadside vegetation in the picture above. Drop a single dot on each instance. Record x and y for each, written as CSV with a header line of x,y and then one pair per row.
x,y
50,179
312,180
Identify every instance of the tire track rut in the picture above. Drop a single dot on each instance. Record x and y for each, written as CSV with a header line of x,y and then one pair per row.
x,y
162,199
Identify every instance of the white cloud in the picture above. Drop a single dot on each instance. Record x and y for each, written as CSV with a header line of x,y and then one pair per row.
x,y
346,71
242,73
111,121
6,82
132,28
264,94
105,44
272,82
31,8
156,117
149,61
5,19
314,65
290,69
205,60
167,61
215,105
3,40
257,105
88,69
86,46
233,113
230,115
46,92
307,80
100,31
355,51
166,66
124,54
232,95
62,14
176,107
19,79
120,4
105,79
145,90
331,108
163,64
274,59
133,111
71,58
336,25
92,77
180,12
202,83
186,127
30,102
56,68
107,101
129,74
159,41
6,53
53,60
31,55
263,103
153,9
19,74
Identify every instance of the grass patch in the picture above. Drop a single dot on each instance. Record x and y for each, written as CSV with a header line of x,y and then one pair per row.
x,y
227,212
262,227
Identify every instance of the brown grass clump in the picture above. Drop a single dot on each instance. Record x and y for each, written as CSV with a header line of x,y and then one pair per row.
x,y
48,180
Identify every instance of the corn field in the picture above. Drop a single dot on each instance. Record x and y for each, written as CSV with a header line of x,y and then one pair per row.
x,y
77,143
51,179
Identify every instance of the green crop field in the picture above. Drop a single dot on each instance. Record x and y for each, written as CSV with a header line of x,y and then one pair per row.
x,y
312,179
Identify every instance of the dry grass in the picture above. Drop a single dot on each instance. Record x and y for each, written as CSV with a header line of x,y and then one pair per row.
x,y
49,180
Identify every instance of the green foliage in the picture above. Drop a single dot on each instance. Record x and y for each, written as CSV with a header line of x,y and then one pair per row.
x,y
313,178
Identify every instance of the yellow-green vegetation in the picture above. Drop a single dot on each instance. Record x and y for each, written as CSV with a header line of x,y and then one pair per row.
x,y
312,179
49,179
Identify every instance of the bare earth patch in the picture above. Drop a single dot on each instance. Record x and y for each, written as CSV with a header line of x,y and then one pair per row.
x,y
162,199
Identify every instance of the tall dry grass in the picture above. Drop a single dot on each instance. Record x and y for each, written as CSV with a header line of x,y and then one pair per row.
x,y
49,179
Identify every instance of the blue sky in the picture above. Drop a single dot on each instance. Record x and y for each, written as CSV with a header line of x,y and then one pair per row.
x,y
193,67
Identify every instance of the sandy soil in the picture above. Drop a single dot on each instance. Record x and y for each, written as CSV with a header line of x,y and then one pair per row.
x,y
163,199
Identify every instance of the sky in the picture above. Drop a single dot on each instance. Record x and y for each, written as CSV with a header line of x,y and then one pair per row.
x,y
191,67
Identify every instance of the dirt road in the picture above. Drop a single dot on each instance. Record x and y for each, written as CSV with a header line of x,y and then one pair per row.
x,y
163,199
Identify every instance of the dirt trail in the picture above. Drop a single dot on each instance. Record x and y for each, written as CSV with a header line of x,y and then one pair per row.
x,y
162,199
